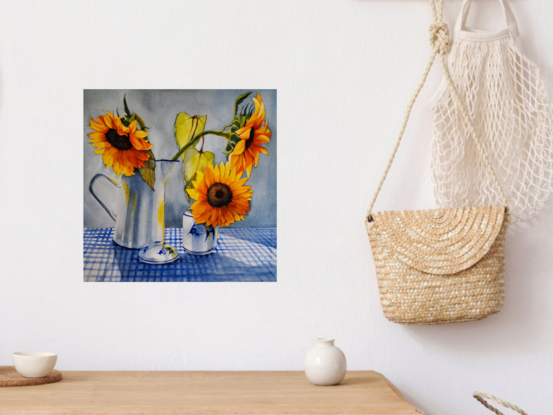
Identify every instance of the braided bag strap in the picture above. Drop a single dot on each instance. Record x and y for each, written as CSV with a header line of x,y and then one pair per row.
x,y
441,45
481,397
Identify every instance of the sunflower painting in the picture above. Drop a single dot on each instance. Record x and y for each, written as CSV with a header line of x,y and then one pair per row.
x,y
180,185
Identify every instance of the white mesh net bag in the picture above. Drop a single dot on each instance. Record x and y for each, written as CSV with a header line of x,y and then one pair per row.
x,y
508,103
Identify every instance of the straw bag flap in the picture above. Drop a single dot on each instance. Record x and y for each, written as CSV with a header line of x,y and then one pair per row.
x,y
438,241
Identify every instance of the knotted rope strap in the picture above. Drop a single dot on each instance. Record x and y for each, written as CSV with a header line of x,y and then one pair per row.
x,y
481,397
441,45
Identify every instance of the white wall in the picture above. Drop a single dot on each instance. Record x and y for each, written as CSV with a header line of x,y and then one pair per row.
x,y
344,70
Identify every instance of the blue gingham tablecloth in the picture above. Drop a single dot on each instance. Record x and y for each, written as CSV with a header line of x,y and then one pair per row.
x,y
243,254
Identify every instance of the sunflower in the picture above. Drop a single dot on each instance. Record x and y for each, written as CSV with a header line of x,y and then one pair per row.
x,y
255,133
220,196
120,146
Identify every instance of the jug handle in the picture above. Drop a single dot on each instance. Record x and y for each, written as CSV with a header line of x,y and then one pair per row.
x,y
91,188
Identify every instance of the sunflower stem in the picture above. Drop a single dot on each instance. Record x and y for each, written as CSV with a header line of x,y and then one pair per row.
x,y
228,125
140,121
194,141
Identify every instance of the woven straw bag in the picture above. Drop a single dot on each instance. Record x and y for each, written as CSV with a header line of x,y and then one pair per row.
x,y
442,265
481,397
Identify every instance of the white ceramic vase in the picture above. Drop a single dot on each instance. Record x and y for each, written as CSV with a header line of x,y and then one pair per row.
x,y
198,239
325,364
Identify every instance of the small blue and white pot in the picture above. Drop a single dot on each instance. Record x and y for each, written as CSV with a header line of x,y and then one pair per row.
x,y
198,239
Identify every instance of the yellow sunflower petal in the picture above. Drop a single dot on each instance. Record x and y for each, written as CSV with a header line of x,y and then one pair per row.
x,y
238,164
238,183
233,161
209,179
232,176
100,144
255,155
244,133
258,103
139,143
216,173
140,133
199,221
262,150
239,148
107,157
241,200
204,216
229,219
241,210
132,127
192,193
261,139
98,125
199,176
118,125
107,120
214,215
97,135
240,190
194,205
235,216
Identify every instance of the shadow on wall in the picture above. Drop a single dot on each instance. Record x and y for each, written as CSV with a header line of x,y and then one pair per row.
x,y
528,247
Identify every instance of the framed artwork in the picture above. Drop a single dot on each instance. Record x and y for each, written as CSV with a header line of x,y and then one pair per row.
x,y
180,185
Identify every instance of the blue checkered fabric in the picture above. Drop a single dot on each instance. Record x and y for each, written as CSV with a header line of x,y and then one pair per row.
x,y
242,254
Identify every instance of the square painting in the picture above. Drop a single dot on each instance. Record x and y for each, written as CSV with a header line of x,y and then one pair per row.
x,y
180,185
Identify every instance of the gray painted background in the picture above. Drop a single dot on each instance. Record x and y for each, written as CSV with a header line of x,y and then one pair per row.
x,y
159,109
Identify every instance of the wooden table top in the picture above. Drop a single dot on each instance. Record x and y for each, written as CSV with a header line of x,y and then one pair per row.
x,y
213,393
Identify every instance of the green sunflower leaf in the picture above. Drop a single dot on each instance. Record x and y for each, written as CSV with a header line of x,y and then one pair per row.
x,y
141,124
243,120
128,120
127,111
194,161
148,173
239,100
187,127
234,139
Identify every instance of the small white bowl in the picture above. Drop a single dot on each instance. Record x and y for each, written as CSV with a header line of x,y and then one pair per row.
x,y
34,364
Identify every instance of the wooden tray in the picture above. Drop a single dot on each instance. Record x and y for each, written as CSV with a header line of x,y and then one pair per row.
x,y
10,377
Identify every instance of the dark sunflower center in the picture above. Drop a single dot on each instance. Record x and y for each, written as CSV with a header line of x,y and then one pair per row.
x,y
249,141
120,142
219,195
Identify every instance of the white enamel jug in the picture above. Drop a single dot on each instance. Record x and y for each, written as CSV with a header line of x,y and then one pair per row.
x,y
140,216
